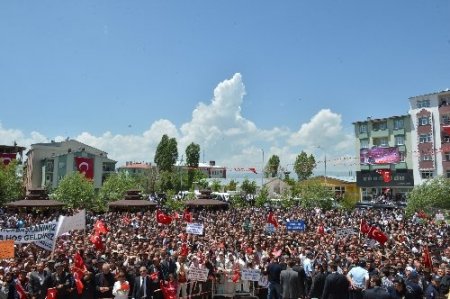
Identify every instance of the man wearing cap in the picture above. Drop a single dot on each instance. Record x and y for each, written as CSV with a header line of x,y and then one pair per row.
x,y
432,291
413,290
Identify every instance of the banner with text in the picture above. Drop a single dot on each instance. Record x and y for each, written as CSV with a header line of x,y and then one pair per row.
x,y
197,274
194,228
296,225
251,274
42,234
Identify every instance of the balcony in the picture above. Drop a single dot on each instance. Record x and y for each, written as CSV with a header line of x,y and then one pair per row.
x,y
398,132
379,133
363,135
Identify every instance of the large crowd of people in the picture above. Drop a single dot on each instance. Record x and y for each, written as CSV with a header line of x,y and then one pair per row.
x,y
140,258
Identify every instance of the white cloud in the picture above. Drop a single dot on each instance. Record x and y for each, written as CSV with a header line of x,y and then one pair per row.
x,y
223,133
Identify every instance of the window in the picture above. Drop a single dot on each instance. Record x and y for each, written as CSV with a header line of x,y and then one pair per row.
x,y
399,124
362,128
383,141
446,119
423,103
427,158
447,156
364,143
446,139
379,126
400,140
402,156
426,174
448,174
425,138
424,120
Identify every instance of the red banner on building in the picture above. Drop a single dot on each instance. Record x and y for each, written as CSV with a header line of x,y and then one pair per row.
x,y
6,158
85,166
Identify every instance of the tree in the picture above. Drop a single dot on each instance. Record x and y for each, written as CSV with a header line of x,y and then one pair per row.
x,y
249,189
192,160
433,193
313,193
232,185
116,186
216,186
263,198
304,166
11,187
166,153
77,192
272,167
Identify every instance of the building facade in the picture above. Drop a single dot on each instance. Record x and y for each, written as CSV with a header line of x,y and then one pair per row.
x,y
385,169
135,168
430,115
48,163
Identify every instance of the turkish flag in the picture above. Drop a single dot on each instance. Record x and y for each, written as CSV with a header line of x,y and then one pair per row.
x,y
7,157
163,218
376,234
51,293
78,283
253,169
236,276
125,286
154,276
85,166
321,230
187,216
386,174
184,250
271,219
426,258
20,290
364,227
97,241
100,227
79,267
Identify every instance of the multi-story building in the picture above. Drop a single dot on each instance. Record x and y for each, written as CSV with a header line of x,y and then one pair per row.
x,y
48,163
430,115
385,167
9,153
210,170
135,168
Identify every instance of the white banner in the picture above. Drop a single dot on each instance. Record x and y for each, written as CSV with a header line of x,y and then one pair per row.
x,y
42,234
345,232
197,274
68,223
194,228
251,274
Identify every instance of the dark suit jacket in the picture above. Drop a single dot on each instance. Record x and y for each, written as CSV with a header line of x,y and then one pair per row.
x,y
318,283
138,292
376,293
336,286
289,284
104,280
38,289
301,278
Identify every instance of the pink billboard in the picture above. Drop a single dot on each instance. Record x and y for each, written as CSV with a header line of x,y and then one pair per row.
x,y
380,155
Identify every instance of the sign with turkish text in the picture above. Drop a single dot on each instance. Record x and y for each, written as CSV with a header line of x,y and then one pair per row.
x,y
194,228
296,225
197,274
251,274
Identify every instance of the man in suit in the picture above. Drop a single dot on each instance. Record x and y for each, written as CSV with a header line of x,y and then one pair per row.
x,y
289,282
336,285
376,291
40,282
301,277
142,285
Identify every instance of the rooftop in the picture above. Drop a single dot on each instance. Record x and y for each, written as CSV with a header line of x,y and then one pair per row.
x,y
447,90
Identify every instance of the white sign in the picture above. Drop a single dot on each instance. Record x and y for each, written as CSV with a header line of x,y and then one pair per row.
x,y
440,217
345,232
251,274
42,234
68,223
194,228
197,274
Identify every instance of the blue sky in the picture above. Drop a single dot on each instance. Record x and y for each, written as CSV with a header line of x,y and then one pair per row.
x,y
284,76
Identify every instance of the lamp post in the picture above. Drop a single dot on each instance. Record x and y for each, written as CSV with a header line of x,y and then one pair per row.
x,y
262,169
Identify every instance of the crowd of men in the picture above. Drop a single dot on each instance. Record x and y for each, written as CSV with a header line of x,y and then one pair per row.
x,y
137,257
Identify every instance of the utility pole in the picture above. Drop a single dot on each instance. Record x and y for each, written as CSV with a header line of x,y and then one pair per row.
x,y
262,169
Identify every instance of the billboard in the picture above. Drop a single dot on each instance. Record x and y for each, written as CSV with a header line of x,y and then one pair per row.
x,y
379,155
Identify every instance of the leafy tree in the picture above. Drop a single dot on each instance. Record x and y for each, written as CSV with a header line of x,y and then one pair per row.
x,y
171,203
166,153
232,185
116,186
433,193
216,186
248,187
166,181
304,166
192,160
77,192
272,167
349,200
262,198
11,187
237,201
314,194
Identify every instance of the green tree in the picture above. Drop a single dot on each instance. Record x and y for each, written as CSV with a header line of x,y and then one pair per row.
x,y
166,153
304,166
272,167
192,160
313,193
232,185
77,192
262,198
248,187
433,193
237,201
216,186
11,187
116,186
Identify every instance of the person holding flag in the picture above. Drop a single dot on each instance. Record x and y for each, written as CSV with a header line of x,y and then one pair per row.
x,y
121,287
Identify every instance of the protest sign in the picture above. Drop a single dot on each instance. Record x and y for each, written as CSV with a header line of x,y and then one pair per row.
x,y
197,274
7,249
32,234
194,228
251,274
296,225
68,223
345,232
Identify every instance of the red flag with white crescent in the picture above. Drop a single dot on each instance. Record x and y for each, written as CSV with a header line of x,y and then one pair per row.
x,y
6,158
97,241
271,219
20,290
100,227
51,293
85,166
187,216
364,227
184,250
162,218
376,234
